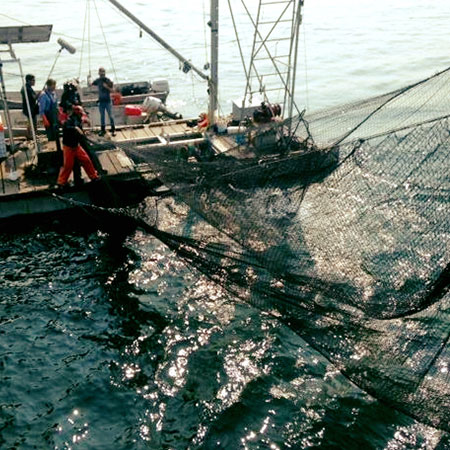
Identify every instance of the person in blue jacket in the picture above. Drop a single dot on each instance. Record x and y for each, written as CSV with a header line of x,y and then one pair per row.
x,y
48,110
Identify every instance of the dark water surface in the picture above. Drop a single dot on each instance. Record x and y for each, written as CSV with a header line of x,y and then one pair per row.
x,y
111,343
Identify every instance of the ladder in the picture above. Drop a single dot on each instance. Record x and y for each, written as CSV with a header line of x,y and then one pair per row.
x,y
271,69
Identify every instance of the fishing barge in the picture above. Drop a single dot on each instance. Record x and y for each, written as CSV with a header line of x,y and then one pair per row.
x,y
28,183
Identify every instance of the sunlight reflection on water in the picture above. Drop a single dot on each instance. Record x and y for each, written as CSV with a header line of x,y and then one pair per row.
x,y
164,358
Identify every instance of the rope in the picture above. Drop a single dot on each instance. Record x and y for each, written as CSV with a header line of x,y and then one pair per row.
x,y
305,57
389,100
204,32
83,39
15,19
106,43
89,38
237,39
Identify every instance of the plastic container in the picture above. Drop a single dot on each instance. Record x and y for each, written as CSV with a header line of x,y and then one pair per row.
x,y
133,110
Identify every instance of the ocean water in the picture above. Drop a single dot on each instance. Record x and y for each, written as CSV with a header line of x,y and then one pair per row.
x,y
348,50
112,342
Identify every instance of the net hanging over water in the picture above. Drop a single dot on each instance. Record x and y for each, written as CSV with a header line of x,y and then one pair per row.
x,y
342,229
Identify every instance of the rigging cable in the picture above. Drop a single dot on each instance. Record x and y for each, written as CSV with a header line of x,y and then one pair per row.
x,y
89,37
237,39
395,95
305,68
204,36
106,43
83,39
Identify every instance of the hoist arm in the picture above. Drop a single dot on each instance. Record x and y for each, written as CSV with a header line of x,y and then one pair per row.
x,y
183,60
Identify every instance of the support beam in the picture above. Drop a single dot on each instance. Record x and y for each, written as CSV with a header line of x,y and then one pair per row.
x,y
214,81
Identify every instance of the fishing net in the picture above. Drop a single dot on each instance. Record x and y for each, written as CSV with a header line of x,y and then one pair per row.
x,y
341,229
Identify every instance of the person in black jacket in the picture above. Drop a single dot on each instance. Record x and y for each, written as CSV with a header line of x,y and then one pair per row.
x,y
30,107
73,136
70,96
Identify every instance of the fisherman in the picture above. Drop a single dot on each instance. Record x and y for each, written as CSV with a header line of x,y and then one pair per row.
x,y
87,147
70,96
30,108
153,105
105,88
266,113
73,136
48,110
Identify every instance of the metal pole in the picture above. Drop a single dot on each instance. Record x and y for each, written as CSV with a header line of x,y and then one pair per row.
x,y
33,131
58,53
214,81
298,22
8,117
158,39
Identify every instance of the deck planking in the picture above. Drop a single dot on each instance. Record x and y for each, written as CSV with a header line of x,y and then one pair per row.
x,y
115,162
167,130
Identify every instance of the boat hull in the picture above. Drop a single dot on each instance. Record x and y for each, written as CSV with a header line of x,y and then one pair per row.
x,y
106,193
33,192
90,104
19,121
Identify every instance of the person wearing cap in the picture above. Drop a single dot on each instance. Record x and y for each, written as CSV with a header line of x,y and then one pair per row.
x,y
105,88
73,136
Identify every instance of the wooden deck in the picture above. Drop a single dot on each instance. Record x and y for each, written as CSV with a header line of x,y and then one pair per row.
x,y
114,161
33,191
151,137
222,144
37,172
157,132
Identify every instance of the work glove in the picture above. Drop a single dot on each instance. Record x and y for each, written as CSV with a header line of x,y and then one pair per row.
x,y
45,121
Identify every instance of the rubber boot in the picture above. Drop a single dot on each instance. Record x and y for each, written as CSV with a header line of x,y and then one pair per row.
x,y
77,179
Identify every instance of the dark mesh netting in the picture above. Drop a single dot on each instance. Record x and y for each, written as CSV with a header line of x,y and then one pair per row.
x,y
342,230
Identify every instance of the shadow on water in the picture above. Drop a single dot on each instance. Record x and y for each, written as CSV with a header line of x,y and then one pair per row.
x,y
66,316
109,348
224,266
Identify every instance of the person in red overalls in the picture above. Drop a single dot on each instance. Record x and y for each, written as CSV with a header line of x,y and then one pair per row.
x,y
72,137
